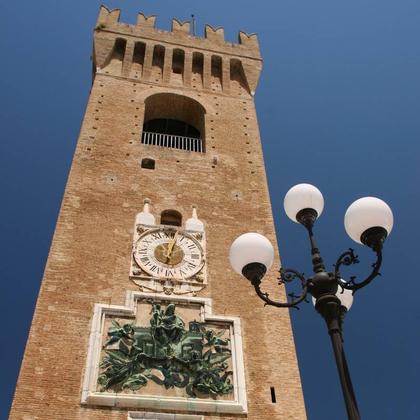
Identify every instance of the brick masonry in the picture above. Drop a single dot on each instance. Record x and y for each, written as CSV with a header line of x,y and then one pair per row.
x,y
90,254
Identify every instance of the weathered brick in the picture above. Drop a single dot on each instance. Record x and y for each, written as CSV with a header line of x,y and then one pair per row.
x,y
90,253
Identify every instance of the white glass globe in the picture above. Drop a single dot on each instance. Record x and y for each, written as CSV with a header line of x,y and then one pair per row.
x,y
251,248
365,213
303,196
346,297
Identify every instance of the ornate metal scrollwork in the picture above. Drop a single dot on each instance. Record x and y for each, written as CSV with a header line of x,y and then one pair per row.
x,y
349,258
287,275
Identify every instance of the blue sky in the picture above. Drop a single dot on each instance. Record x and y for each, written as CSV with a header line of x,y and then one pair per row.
x,y
338,106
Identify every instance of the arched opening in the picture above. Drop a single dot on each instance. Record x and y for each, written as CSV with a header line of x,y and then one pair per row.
x,y
174,121
114,63
138,59
197,69
171,127
216,73
178,57
237,77
171,218
157,62
148,163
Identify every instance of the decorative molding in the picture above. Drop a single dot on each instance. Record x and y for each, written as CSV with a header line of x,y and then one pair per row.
x,y
91,394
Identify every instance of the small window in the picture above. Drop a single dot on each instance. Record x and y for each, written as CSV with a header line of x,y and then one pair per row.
x,y
171,217
147,163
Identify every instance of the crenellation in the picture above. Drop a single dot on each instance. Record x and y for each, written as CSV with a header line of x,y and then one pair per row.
x,y
146,21
215,34
109,21
250,40
110,33
180,27
107,17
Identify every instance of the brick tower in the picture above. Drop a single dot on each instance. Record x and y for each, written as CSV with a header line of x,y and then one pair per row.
x,y
139,313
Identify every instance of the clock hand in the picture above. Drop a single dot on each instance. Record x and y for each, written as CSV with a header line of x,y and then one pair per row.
x,y
171,246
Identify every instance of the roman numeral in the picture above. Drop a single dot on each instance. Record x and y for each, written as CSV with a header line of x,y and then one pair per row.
x,y
156,235
195,256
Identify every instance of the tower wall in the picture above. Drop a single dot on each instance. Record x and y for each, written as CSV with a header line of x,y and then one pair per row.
x,y
90,254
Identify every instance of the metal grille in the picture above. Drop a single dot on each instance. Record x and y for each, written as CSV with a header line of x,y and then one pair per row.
x,y
173,142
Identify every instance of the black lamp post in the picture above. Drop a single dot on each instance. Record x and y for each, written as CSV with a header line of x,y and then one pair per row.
x,y
368,221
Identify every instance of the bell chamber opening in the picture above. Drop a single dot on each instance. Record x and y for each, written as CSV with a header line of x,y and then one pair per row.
x,y
175,122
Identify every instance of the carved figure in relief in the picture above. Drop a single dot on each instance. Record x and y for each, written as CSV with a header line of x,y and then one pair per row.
x,y
166,353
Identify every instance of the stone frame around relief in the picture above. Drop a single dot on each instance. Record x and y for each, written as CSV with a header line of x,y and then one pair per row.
x,y
90,395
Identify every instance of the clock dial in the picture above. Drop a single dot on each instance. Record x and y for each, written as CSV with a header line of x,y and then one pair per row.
x,y
168,253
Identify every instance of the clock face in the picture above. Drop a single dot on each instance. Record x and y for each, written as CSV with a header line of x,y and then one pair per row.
x,y
168,253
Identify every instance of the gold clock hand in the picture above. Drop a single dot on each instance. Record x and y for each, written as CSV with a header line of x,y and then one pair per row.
x,y
171,246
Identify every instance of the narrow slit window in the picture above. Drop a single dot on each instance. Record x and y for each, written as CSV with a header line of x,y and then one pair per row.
x,y
273,394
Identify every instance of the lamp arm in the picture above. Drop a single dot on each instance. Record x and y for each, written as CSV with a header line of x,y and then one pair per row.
x,y
348,258
286,276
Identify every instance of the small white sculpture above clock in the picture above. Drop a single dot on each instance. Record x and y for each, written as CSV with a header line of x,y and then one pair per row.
x,y
168,258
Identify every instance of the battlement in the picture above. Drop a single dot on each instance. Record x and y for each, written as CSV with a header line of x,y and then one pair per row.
x,y
175,57
247,46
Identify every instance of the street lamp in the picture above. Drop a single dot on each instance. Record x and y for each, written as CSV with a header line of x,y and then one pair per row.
x,y
367,221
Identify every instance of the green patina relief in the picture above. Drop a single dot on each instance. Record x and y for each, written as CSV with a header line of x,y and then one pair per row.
x,y
194,359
